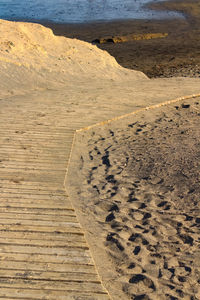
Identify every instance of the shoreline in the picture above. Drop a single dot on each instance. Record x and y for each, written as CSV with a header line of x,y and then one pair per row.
x,y
175,55
74,12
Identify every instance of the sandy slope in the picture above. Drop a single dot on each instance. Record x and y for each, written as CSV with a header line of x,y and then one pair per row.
x,y
32,58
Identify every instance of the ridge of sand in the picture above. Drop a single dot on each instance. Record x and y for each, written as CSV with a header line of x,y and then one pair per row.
x,y
34,57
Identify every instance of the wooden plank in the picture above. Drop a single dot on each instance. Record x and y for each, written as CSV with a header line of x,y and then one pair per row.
x,y
30,171
40,149
10,139
30,134
32,185
43,139
64,205
44,243
34,145
26,203
30,294
35,140
42,175
34,156
50,218
30,274
30,228
31,167
67,251
34,127
50,267
26,151
23,189
28,257
9,135
37,210
36,161
28,176
33,195
28,128
73,286
21,182
40,223
46,237
61,200
34,153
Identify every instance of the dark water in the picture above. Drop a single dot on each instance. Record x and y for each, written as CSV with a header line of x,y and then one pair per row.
x,y
79,11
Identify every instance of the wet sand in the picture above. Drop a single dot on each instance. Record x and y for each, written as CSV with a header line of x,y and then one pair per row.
x,y
138,185
176,55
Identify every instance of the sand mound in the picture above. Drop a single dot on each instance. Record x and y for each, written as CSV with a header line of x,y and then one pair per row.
x,y
35,56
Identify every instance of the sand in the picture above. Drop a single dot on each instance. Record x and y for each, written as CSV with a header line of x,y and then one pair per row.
x,y
137,196
28,60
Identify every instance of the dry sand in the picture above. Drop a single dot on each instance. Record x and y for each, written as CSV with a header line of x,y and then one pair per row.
x,y
137,194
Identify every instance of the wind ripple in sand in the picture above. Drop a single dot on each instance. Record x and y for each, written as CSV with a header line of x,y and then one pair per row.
x,y
143,181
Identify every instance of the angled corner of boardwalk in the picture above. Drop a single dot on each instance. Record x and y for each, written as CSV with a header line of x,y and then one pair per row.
x,y
43,251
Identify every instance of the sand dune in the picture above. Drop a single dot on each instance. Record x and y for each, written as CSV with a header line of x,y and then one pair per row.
x,y
32,58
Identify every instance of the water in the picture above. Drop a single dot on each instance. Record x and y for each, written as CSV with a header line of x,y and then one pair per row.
x,y
79,11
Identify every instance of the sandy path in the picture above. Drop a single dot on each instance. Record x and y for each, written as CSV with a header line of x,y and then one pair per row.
x,y
139,187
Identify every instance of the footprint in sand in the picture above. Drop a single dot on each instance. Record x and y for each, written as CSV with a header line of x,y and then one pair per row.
x,y
148,195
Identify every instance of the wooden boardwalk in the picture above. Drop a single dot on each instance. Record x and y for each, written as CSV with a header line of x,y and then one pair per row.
x,y
43,251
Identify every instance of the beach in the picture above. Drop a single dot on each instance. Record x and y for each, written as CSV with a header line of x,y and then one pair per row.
x,y
178,54
99,161
175,54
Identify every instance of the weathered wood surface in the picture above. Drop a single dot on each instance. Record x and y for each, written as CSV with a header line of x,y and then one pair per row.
x,y
43,251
